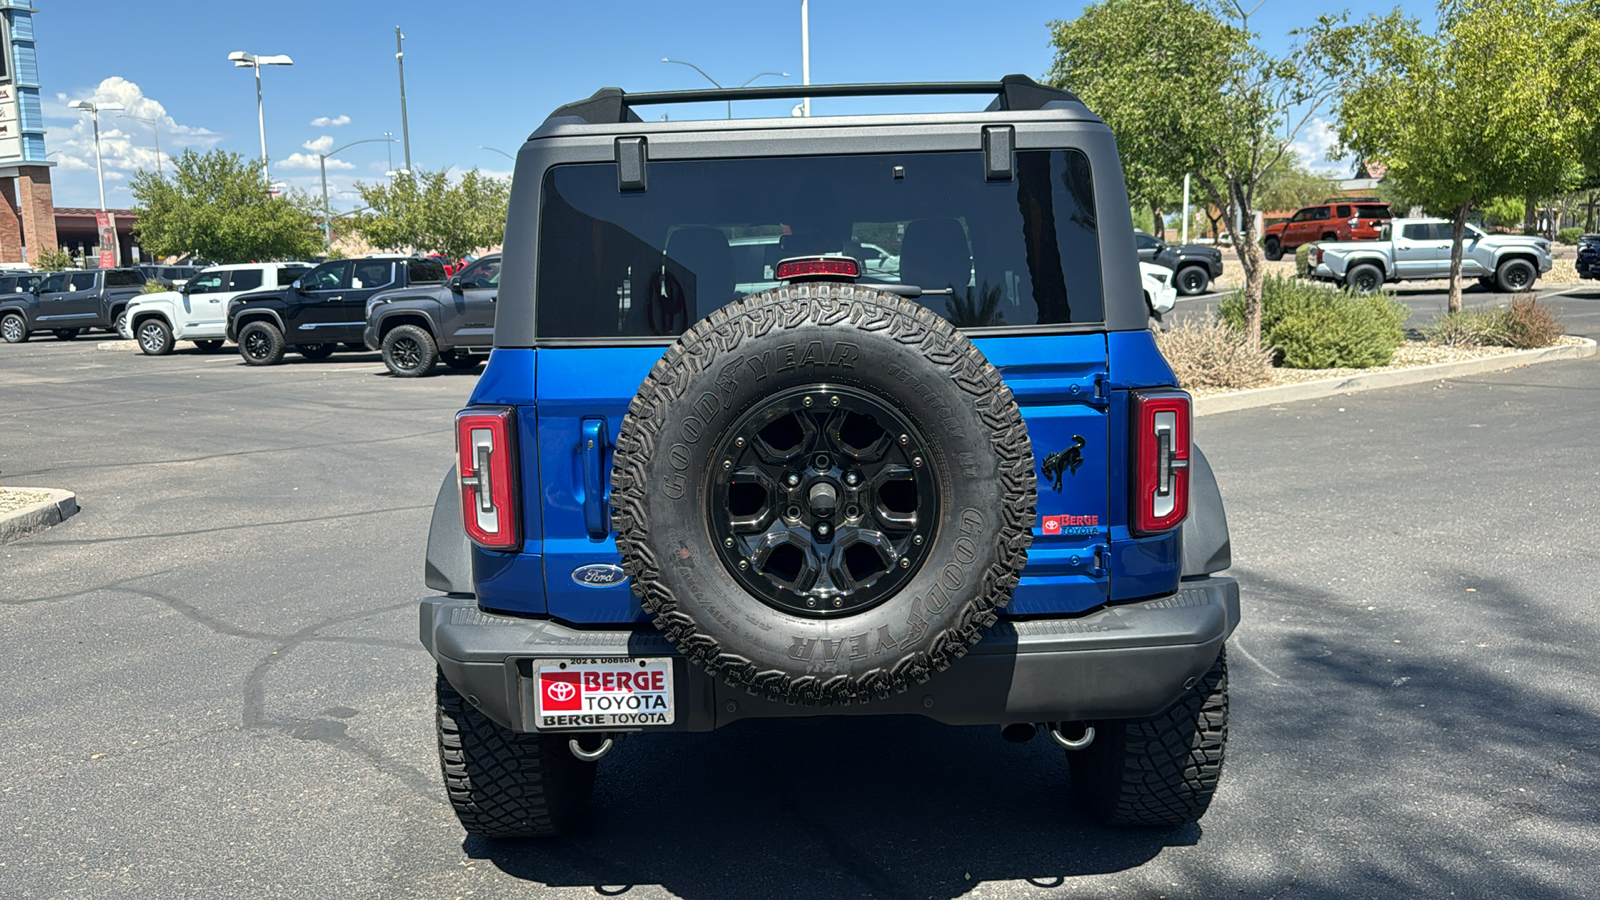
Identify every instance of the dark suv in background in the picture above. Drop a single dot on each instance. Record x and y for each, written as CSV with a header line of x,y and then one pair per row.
x,y
1589,256
1194,266
420,326
70,303
322,309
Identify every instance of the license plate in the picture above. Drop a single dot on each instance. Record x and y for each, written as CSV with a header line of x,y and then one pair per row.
x,y
613,692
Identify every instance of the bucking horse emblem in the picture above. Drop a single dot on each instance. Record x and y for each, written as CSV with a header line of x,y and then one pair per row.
x,y
1063,462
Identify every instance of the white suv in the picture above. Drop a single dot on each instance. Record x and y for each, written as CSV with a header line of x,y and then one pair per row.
x,y
198,311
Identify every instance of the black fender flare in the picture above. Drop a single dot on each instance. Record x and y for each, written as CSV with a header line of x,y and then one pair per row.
x,y
448,565
408,311
1204,534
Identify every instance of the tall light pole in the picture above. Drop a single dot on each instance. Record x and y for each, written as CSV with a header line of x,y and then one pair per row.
x,y
400,59
155,129
322,163
93,109
499,151
708,78
245,60
805,52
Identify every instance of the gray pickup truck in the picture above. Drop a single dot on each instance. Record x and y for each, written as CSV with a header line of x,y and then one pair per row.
x,y
70,303
1419,249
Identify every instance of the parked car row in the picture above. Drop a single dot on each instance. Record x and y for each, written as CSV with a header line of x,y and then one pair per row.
x,y
66,304
402,306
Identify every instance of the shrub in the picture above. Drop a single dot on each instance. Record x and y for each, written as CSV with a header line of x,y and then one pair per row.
x,y
1523,325
1569,235
153,287
1212,355
1302,260
53,260
1319,327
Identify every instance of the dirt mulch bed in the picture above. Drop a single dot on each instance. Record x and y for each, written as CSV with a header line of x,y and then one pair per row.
x,y
13,499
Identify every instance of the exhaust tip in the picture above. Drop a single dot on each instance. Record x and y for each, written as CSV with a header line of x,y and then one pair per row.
x,y
1018,732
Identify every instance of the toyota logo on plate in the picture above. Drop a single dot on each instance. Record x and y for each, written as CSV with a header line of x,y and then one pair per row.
x,y
560,691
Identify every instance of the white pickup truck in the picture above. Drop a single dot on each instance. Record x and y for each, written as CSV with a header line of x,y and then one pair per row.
x,y
198,311
1418,249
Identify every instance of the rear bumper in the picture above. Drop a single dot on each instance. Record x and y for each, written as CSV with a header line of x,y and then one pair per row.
x,y
1126,661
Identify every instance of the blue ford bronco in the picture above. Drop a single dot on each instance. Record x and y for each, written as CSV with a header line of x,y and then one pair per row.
x,y
717,468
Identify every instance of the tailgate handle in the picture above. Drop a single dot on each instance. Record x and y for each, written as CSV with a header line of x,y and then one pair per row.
x,y
595,445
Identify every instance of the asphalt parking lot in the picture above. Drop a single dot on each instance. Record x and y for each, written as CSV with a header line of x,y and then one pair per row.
x,y
213,686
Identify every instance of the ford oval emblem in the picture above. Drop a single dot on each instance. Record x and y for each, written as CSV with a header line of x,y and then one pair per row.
x,y
599,575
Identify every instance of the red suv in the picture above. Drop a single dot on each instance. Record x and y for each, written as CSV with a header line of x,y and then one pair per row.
x,y
1327,222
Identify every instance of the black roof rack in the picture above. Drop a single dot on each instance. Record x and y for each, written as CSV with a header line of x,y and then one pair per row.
x,y
614,106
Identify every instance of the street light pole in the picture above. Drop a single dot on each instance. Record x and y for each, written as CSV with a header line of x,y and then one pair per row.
x,y
805,52
499,151
93,109
322,164
707,77
245,60
400,59
155,129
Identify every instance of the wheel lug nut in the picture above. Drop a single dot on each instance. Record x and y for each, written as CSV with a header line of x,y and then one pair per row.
x,y
905,438
807,402
728,464
917,539
837,603
852,478
833,401
744,564
905,563
793,479
727,542
822,528
916,461
811,603
738,442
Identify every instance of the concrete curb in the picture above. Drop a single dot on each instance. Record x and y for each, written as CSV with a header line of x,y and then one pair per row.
x,y
1351,384
35,518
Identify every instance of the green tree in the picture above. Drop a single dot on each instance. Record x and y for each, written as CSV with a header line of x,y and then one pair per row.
x,y
426,212
53,260
1291,185
1477,111
216,205
1185,91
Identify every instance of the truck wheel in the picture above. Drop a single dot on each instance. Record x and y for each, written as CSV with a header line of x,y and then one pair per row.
x,y
315,351
409,351
1162,770
209,346
66,334
1193,280
1364,279
155,338
119,320
505,783
13,328
261,344
1274,249
1516,276
822,493
462,362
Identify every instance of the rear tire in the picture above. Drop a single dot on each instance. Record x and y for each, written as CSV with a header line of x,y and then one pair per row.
x,y
118,320
13,328
1161,771
154,336
1364,279
1516,276
1273,249
315,351
261,344
409,351
507,784
1193,280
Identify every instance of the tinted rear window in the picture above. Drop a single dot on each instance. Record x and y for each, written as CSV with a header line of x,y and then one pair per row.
x,y
245,280
425,271
1023,252
1372,212
124,278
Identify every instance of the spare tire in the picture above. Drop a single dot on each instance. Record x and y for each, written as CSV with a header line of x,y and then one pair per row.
x,y
823,493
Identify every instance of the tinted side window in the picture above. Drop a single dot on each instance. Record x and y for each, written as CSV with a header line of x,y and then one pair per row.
x,y
371,273
288,274
1373,212
124,278
326,277
1144,241
245,280
1419,232
425,271
208,282
485,273
82,281
1342,212
55,282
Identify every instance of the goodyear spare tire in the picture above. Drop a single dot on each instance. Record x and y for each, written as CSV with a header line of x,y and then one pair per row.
x,y
823,493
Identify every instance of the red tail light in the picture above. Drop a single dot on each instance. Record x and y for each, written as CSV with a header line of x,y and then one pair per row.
x,y
804,267
1161,460
486,458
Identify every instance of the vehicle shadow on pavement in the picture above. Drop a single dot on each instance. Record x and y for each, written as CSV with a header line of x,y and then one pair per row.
x,y
829,807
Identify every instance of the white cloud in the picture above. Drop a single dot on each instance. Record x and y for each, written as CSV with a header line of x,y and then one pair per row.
x,y
126,144
335,122
309,161
1316,139
319,145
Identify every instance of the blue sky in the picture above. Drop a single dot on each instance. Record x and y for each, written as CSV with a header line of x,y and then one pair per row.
x,y
486,73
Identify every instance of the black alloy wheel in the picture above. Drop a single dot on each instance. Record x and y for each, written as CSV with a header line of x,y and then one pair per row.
x,y
261,344
822,501
1364,279
409,351
1517,276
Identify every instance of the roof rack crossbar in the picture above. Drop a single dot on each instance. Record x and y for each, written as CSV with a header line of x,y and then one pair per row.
x,y
1013,92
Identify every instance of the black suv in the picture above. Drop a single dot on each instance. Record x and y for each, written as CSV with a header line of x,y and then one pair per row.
x,y
1194,266
1588,262
322,309
420,326
755,477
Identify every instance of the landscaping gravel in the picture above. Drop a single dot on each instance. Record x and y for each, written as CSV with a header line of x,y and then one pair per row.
x,y
13,499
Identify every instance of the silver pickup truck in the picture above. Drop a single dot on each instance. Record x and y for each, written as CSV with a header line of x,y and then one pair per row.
x,y
1418,249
